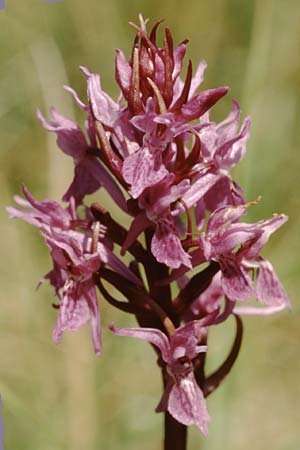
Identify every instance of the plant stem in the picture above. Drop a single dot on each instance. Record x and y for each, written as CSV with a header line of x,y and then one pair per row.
x,y
175,434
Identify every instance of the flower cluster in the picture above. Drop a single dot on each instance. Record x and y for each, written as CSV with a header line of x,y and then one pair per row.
x,y
166,164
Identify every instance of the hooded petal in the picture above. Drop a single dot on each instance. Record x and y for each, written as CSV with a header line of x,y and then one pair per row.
x,y
223,217
158,199
184,342
209,301
237,234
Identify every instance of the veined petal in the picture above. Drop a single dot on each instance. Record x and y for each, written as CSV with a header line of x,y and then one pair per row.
x,y
166,245
184,341
232,151
163,403
73,312
78,305
236,283
257,311
269,289
187,405
267,227
108,257
40,214
179,53
70,137
91,296
200,103
197,78
152,335
76,98
123,73
209,301
142,169
199,188
224,216
200,213
104,108
157,199
228,128
83,182
223,193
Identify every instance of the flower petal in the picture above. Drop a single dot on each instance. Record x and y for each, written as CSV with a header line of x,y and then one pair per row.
x,y
236,283
166,245
152,335
201,103
142,169
187,405
197,78
70,137
267,227
78,305
46,212
209,301
108,257
104,108
138,225
223,193
255,311
200,188
269,289
232,151
123,73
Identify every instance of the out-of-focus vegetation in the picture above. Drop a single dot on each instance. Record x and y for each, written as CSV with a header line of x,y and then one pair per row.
x,y
63,397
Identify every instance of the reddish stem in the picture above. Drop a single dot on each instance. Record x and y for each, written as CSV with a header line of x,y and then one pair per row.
x,y
175,434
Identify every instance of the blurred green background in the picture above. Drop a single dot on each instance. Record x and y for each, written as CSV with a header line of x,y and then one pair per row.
x,y
63,397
